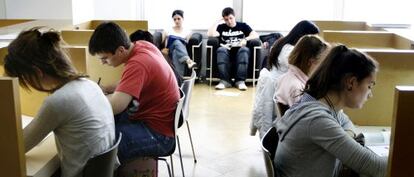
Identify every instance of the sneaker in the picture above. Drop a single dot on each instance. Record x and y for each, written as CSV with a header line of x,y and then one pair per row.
x,y
241,85
191,64
222,85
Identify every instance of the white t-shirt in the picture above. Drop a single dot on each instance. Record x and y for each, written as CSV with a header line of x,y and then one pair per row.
x,y
82,121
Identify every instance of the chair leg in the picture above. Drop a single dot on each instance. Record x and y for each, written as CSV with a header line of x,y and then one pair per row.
x,y
172,165
181,158
191,141
166,163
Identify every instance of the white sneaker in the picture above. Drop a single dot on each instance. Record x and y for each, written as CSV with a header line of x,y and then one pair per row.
x,y
222,85
241,85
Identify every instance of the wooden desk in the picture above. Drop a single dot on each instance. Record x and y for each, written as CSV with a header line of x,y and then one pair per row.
x,y
42,160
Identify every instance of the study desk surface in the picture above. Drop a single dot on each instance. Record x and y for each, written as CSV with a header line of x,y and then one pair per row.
x,y
42,160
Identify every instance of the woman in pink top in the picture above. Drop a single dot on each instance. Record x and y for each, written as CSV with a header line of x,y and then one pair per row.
x,y
302,61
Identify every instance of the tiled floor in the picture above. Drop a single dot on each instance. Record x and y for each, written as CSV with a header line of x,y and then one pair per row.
x,y
219,122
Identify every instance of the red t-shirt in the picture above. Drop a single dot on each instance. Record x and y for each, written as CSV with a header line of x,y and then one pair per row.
x,y
148,78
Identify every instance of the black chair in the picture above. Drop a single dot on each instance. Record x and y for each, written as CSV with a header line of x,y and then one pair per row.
x,y
177,118
270,39
103,164
255,46
194,48
269,144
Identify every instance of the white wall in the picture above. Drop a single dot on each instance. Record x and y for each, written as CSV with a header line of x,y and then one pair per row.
x,y
39,9
116,9
82,11
2,9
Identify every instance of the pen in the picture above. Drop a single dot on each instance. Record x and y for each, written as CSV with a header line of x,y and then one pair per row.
x,y
99,81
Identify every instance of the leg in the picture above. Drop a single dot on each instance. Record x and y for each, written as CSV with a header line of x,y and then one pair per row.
x,y
223,63
242,63
138,140
179,56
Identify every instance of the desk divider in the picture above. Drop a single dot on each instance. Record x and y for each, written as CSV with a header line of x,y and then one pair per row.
x,y
12,161
401,155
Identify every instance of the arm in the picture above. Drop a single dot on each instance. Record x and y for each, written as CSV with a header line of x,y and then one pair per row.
x,y
252,35
212,31
45,122
328,134
119,101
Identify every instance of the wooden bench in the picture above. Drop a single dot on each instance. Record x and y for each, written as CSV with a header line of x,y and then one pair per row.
x,y
9,22
129,25
344,25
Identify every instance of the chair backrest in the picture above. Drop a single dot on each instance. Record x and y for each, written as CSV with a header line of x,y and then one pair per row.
x,y
178,110
269,145
187,88
103,164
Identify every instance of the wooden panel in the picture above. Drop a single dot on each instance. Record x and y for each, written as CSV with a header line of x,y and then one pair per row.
x,y
342,25
8,22
3,53
76,37
396,68
78,56
108,74
129,25
361,39
402,139
86,25
400,42
12,161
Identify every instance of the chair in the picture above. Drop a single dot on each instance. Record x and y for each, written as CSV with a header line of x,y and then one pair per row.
x,y
177,116
255,54
187,88
194,48
269,144
103,164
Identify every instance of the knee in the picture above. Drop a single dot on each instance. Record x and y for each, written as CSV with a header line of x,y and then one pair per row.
x,y
244,51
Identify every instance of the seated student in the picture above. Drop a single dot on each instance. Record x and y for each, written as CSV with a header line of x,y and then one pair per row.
x,y
147,36
313,132
233,55
277,65
146,97
76,110
175,40
302,62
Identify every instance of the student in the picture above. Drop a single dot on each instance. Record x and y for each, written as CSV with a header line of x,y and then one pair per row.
x,y
302,61
145,99
147,36
176,39
313,133
233,53
76,110
263,108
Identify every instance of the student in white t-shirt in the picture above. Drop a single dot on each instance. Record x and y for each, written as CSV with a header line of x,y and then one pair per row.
x,y
176,39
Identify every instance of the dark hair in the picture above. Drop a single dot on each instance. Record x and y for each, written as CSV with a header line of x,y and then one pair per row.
x,y
33,50
340,64
308,47
227,11
178,12
141,35
304,27
107,37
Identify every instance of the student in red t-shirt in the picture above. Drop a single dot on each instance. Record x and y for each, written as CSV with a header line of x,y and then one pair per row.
x,y
145,99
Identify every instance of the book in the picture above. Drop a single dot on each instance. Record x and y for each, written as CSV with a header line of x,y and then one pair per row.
x,y
172,38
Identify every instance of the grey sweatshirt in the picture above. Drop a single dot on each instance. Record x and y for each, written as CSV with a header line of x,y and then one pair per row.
x,y
312,139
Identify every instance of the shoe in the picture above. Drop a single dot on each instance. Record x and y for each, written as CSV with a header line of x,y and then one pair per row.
x,y
191,64
222,85
241,85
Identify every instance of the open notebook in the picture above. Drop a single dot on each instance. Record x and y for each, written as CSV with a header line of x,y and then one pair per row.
x,y
377,139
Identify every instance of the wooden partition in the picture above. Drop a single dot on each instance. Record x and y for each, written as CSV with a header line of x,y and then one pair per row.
x,y
129,25
402,139
367,39
396,68
12,161
8,22
344,25
32,100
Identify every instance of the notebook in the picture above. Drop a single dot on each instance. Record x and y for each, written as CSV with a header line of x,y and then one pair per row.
x,y
172,38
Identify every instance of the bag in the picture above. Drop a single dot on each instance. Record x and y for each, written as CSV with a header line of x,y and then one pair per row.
x,y
139,167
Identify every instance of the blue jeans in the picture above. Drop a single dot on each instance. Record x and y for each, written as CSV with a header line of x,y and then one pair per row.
x,y
178,54
227,62
138,140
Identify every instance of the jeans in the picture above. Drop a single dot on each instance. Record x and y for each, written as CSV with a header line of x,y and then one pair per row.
x,y
228,60
138,140
179,55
